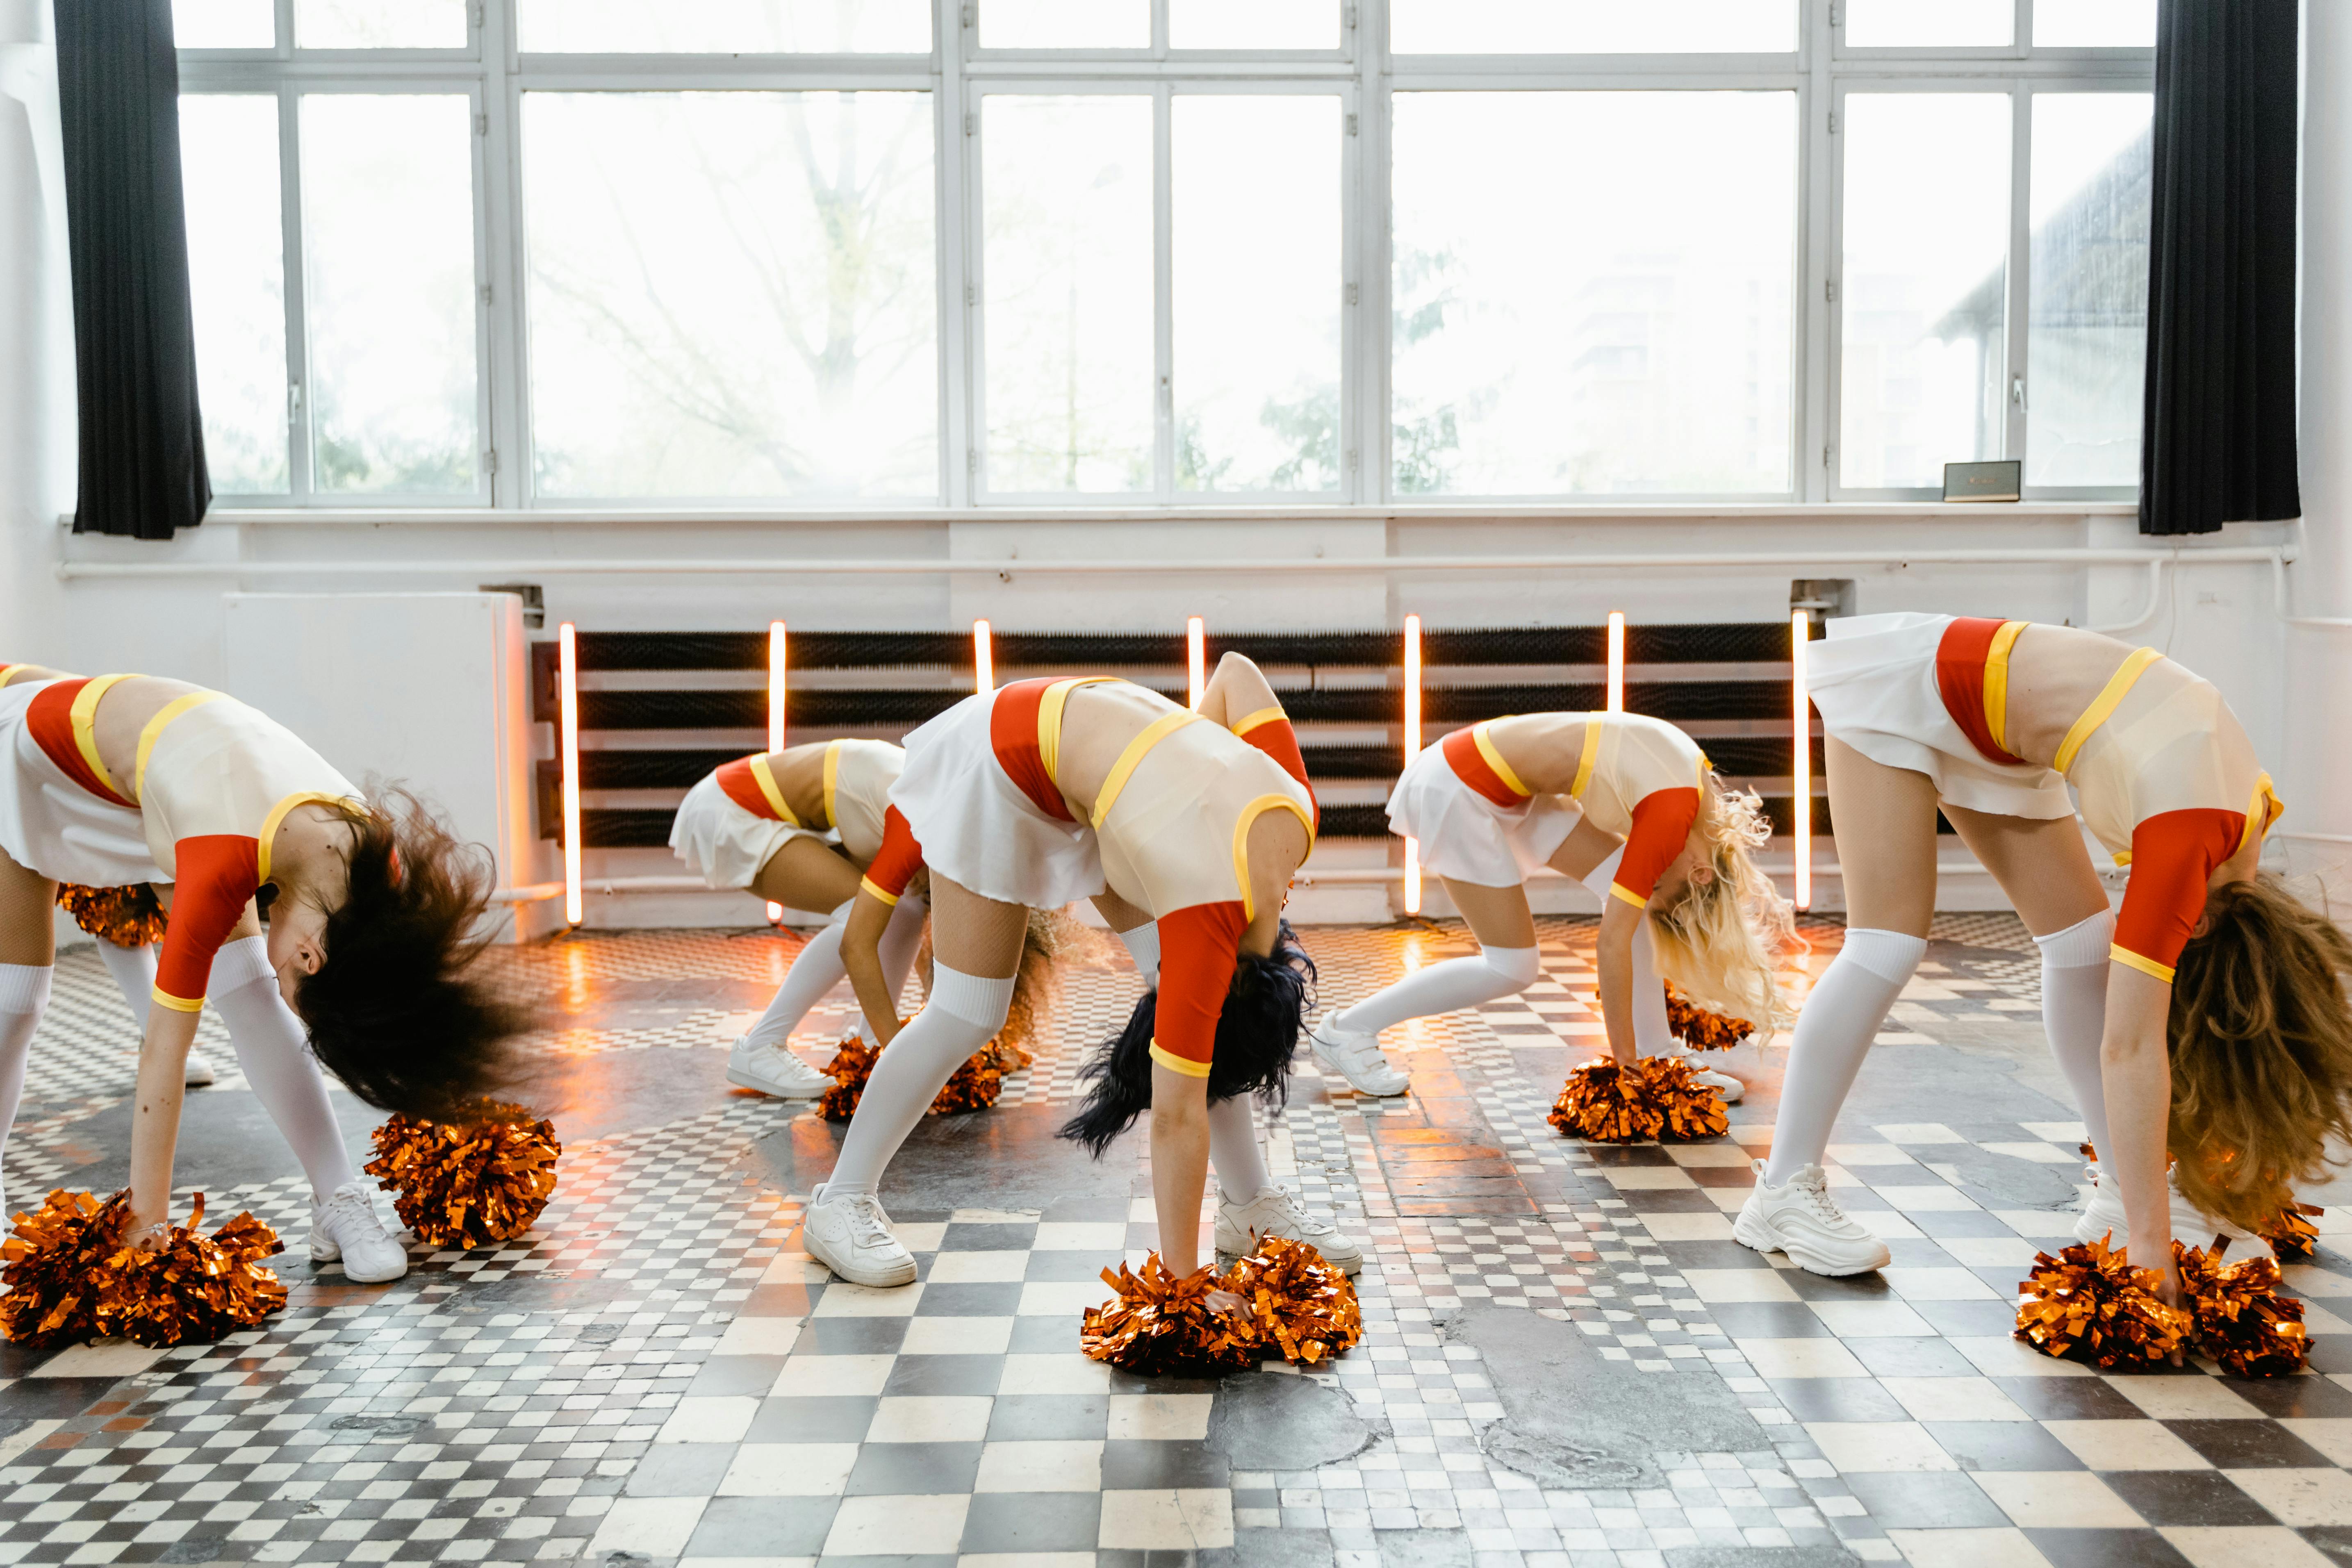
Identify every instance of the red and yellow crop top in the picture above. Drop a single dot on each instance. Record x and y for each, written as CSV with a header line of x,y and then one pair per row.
x,y
857,779
2165,777
212,782
1638,777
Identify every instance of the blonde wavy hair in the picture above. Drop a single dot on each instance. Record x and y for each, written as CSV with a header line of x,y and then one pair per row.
x,y
1721,941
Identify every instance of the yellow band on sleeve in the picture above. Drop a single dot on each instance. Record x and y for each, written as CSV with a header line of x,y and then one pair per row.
x,y
1616,891
2263,809
178,1003
1175,1063
865,885
1263,716
2131,960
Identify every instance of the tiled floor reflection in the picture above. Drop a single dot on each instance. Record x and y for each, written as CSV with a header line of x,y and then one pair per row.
x,y
656,1374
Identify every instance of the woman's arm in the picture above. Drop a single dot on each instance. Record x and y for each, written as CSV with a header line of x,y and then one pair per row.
x,y
861,955
162,1075
2137,1073
1614,957
1180,1164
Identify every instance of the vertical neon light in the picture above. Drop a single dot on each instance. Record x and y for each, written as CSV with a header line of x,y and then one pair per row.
x,y
1196,662
1411,750
1801,631
567,740
984,659
775,715
1616,661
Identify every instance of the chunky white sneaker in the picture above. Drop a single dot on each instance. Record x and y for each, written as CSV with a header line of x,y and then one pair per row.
x,y
199,1073
1357,1058
1276,1211
1803,1220
1723,1083
851,1236
346,1227
771,1069
2103,1215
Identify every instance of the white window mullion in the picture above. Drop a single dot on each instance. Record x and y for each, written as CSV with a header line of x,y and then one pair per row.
x,y
1815,412
508,362
2017,388
1163,285
297,289
959,271
1366,431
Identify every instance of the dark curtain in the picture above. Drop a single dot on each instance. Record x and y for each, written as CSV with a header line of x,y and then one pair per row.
x,y
2217,444
143,440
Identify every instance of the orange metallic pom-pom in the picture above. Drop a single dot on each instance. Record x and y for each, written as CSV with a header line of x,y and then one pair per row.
x,y
1689,1109
1701,1029
2241,1320
2090,1300
1159,1323
1304,1308
2292,1235
1608,1102
126,917
468,1184
71,1277
974,1085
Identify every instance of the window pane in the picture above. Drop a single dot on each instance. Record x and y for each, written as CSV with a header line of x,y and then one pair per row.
x,y
379,23
1592,26
2087,325
1065,23
726,26
1067,258
223,24
1257,234
1571,321
388,242
1253,25
731,293
1921,293
1930,24
2095,24
237,273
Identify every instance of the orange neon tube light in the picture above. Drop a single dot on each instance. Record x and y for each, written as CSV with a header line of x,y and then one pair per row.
x,y
1196,661
567,675
775,715
1801,631
1616,661
1411,750
984,659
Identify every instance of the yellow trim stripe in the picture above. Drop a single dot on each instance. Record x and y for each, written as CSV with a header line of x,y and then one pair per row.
x,y
865,885
1263,716
832,776
269,825
1249,814
1175,1063
774,792
2263,809
1996,682
178,1003
154,732
1494,760
84,720
2123,857
1591,754
2131,960
2103,706
1617,891
8,672
1159,729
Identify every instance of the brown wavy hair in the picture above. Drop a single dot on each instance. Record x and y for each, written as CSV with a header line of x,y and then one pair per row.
x,y
396,1009
2261,1040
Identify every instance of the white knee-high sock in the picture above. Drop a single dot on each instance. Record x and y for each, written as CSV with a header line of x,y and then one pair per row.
x,y
964,1014
1443,987
1143,946
2074,1011
1233,1150
1841,1018
1652,1035
275,1054
132,970
816,969
23,992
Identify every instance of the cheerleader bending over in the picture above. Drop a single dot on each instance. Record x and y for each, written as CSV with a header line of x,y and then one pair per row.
x,y
1625,805
1185,829
797,828
128,779
2207,1015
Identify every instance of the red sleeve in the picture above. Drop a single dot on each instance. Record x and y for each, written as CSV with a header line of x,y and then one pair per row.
x,y
2173,857
1662,824
1271,732
895,863
1198,948
217,875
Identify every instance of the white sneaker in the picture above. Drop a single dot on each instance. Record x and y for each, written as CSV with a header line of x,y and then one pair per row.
x,y
1803,1220
1276,1211
851,1236
346,1227
1724,1084
1357,1058
771,1069
199,1073
2103,1215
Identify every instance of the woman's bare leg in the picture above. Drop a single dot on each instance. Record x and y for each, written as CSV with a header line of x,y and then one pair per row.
x,y
1506,930
28,959
807,874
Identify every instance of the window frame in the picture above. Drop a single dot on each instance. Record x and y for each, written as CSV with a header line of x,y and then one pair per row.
x,y
958,73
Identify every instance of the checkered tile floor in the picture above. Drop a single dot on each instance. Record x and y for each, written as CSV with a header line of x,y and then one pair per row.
x,y
657,1374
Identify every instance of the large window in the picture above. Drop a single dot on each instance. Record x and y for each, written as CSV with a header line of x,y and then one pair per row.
x,y
1021,253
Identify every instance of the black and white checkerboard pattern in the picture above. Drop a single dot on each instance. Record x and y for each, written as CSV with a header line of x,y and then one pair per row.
x,y
656,1370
